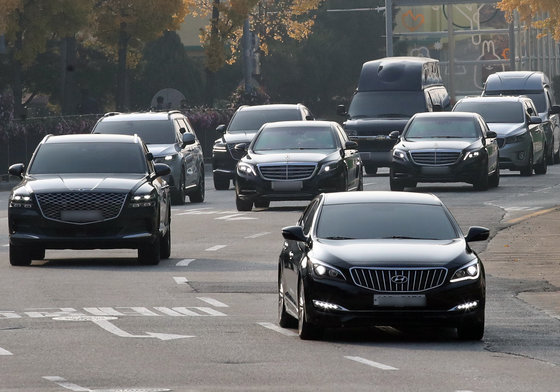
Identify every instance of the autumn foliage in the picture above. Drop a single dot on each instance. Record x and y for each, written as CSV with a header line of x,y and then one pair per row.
x,y
530,12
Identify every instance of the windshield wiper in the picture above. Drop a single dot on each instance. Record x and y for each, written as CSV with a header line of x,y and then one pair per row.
x,y
339,238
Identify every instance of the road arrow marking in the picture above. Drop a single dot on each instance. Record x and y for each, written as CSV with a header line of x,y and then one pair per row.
x,y
184,262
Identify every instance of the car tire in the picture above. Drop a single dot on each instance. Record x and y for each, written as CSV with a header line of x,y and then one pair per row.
x,y
221,183
149,254
198,195
261,203
471,329
165,245
306,330
542,167
396,185
20,256
37,253
495,179
284,319
481,183
243,205
178,197
557,156
528,170
371,170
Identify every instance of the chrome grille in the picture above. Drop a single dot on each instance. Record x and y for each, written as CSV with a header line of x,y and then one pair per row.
x,y
435,157
290,171
398,280
89,206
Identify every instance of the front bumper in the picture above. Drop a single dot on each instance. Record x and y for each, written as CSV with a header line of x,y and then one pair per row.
x,y
515,156
461,171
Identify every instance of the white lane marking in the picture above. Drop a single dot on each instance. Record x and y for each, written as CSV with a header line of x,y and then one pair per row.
x,y
180,280
210,311
228,217
371,363
6,245
241,218
276,328
258,235
213,302
67,385
184,262
215,248
103,311
521,208
110,327
196,211
4,352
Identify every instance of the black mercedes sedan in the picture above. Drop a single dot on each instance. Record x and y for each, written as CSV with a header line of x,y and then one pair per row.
x,y
380,258
445,147
296,160
90,192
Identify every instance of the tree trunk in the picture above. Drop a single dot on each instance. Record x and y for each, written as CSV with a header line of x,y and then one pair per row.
x,y
211,74
122,90
17,82
69,99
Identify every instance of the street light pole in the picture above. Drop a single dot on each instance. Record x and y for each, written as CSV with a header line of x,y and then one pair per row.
x,y
389,28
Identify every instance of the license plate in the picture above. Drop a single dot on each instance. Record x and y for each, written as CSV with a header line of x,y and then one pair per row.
x,y
434,171
287,186
400,301
81,216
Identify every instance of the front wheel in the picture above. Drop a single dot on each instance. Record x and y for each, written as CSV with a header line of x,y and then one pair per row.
x,y
20,255
471,329
284,319
149,254
528,169
221,183
306,330
178,197
261,203
542,167
198,195
243,205
481,183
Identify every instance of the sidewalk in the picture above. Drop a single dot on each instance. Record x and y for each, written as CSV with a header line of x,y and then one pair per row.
x,y
529,252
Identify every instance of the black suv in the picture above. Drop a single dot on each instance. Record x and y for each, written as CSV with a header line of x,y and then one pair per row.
x,y
171,140
244,124
90,192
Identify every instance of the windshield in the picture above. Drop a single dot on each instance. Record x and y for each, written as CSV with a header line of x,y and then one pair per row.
x,y
441,127
295,138
150,131
494,112
253,120
385,220
387,104
60,158
538,97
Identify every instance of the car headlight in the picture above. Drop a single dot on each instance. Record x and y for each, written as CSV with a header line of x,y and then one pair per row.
x,y
328,167
472,155
170,157
399,155
21,201
470,271
245,169
325,271
516,138
143,200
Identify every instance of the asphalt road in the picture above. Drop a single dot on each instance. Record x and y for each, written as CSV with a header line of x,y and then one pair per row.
x,y
205,320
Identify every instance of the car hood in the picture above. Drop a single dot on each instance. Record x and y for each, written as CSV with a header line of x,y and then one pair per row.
x,y
443,144
375,126
73,183
290,156
160,150
507,129
239,137
393,252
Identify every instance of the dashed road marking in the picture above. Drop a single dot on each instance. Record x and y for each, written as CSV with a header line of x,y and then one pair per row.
x,y
213,302
215,248
180,280
5,245
258,235
371,363
4,352
184,262
276,328
76,388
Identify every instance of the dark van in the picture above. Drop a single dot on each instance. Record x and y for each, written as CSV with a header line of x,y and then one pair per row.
x,y
391,90
535,85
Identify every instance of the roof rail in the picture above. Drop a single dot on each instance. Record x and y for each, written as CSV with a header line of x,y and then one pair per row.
x,y
111,114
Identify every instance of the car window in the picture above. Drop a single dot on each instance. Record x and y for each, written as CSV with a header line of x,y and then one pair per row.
x,y
494,111
151,131
442,127
59,158
387,104
385,220
252,120
295,138
306,220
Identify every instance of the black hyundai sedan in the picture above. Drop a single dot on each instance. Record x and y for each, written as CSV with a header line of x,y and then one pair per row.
x,y
380,258
445,147
90,192
296,160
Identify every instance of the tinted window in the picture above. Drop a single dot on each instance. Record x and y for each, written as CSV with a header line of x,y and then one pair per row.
x,y
441,127
387,104
538,97
252,120
151,131
385,220
494,112
295,138
57,158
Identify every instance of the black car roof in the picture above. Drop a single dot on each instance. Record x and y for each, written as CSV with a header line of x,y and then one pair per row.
x,y
380,197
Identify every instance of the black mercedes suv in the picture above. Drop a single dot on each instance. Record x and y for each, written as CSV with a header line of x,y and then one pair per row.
x,y
90,192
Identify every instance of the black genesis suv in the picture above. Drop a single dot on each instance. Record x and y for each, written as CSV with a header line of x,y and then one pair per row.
x,y
90,192
243,126
171,140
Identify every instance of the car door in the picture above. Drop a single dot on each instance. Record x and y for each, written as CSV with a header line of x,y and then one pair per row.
x,y
491,145
351,157
536,130
188,153
162,189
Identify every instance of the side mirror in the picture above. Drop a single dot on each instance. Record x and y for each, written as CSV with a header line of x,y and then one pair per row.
x,y
241,148
555,109
477,233
491,135
309,117
294,233
17,170
188,138
161,169
182,130
535,120
351,145
221,129
150,156
341,110
394,135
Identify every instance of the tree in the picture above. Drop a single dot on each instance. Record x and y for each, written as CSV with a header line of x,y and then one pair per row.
x,y
124,26
528,9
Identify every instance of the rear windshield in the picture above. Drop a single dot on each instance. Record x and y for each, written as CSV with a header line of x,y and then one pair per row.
x,y
385,220
151,131
93,157
295,138
494,112
387,104
538,97
252,120
442,128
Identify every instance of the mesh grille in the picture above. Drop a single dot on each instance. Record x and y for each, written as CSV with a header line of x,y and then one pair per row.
x,y
287,172
436,157
398,279
80,207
